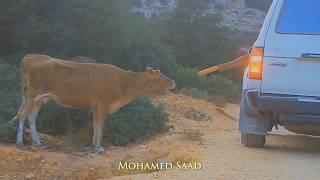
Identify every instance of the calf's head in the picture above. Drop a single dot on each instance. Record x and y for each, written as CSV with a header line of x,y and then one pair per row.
x,y
156,81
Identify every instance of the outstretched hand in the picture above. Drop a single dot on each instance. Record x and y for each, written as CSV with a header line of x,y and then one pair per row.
x,y
207,71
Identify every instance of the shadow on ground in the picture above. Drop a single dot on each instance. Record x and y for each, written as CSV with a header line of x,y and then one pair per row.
x,y
293,143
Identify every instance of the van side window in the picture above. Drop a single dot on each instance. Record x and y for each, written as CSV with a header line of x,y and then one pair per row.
x,y
299,17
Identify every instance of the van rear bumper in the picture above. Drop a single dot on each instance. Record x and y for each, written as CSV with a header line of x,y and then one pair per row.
x,y
281,103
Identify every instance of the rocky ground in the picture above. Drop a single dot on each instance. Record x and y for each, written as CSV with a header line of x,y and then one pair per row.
x,y
203,132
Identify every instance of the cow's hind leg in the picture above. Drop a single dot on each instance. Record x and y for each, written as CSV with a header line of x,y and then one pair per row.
x,y
39,101
32,123
20,130
23,116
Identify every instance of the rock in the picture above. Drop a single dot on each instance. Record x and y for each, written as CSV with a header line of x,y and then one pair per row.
x,y
236,15
30,176
195,115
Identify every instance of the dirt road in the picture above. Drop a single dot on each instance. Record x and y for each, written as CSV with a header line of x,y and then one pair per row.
x,y
286,155
202,132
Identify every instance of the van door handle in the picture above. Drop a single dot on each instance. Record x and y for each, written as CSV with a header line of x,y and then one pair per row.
x,y
306,99
310,55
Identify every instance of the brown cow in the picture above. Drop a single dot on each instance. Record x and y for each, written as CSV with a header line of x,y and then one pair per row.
x,y
102,87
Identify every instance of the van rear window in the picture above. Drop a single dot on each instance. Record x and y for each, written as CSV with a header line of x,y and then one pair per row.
x,y
300,17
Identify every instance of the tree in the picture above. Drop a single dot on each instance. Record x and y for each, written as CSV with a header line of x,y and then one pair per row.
x,y
197,38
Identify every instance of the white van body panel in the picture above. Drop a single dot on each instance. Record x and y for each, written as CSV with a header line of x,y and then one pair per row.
x,y
285,71
249,84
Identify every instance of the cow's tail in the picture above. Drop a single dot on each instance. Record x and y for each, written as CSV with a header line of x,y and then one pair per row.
x,y
23,84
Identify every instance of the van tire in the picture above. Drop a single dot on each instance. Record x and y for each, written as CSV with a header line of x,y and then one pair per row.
x,y
253,140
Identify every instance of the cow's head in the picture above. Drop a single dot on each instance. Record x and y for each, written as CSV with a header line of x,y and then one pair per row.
x,y
157,81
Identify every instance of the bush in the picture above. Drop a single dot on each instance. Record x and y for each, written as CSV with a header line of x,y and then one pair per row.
x,y
219,85
9,91
54,119
215,84
138,120
263,5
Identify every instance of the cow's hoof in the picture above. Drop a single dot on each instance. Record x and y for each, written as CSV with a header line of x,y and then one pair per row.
x,y
42,145
21,146
100,150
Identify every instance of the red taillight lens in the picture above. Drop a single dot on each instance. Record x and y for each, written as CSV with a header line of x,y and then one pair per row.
x,y
256,63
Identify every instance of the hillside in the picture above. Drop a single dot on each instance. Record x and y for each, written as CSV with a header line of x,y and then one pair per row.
x,y
235,14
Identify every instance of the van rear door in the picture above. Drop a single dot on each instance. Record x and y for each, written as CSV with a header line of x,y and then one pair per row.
x,y
292,49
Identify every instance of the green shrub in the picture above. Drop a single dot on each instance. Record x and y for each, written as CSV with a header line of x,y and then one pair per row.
x,y
263,5
54,119
188,78
138,120
215,84
9,91
219,85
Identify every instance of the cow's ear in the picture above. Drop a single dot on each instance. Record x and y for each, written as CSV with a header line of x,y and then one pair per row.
x,y
148,69
158,72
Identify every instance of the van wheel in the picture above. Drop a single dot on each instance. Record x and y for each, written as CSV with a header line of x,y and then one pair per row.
x,y
253,140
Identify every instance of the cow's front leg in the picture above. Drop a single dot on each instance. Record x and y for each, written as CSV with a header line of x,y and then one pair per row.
x,y
98,122
95,135
95,130
99,148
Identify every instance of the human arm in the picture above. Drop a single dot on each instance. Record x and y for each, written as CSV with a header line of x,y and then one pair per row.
x,y
241,61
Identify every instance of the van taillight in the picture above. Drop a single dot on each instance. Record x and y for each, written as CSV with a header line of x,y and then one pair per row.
x,y
256,63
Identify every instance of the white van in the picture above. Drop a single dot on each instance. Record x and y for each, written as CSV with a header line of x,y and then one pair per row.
x,y
282,82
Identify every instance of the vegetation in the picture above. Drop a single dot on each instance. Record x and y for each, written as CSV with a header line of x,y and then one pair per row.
x,y
213,85
109,32
262,5
9,91
139,120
